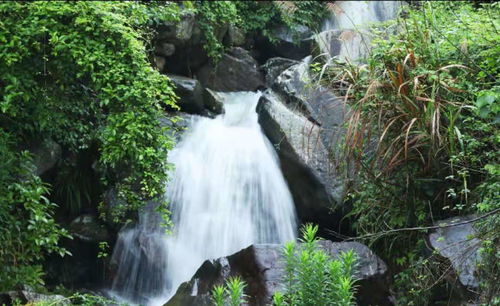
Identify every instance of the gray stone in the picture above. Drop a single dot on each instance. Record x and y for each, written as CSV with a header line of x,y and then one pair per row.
x,y
87,228
190,93
236,36
28,296
317,103
165,49
275,66
179,32
460,246
214,101
262,267
305,123
294,45
46,153
236,71
313,179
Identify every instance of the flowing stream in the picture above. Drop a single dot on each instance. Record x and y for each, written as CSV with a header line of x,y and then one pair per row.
x,y
226,193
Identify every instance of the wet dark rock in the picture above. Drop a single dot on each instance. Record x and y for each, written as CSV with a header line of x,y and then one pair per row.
x,y
214,101
236,36
275,66
87,228
179,32
46,153
236,71
27,296
293,45
305,123
262,268
286,43
165,49
83,268
190,93
315,183
460,246
140,255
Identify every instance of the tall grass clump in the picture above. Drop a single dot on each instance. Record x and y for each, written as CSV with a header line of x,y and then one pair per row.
x,y
423,134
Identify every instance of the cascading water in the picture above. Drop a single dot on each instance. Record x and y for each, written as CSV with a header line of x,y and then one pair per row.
x,y
226,193
345,33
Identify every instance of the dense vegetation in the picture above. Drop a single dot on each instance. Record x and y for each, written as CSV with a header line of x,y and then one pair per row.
x,y
429,96
77,74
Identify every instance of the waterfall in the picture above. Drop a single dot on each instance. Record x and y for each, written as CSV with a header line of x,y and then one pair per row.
x,y
345,34
226,193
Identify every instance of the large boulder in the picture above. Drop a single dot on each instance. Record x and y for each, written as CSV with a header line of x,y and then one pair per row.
x,y
190,93
180,32
275,66
287,43
460,246
214,100
262,268
83,269
237,70
316,102
304,159
305,123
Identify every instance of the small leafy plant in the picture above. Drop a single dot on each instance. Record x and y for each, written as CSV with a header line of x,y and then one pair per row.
x,y
313,277
232,293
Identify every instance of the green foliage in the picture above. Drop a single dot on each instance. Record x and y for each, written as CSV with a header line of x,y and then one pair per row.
x,y
255,16
214,16
76,73
232,293
429,97
79,299
27,228
312,277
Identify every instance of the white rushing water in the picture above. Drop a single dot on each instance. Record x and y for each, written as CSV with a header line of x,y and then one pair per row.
x,y
345,33
226,193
